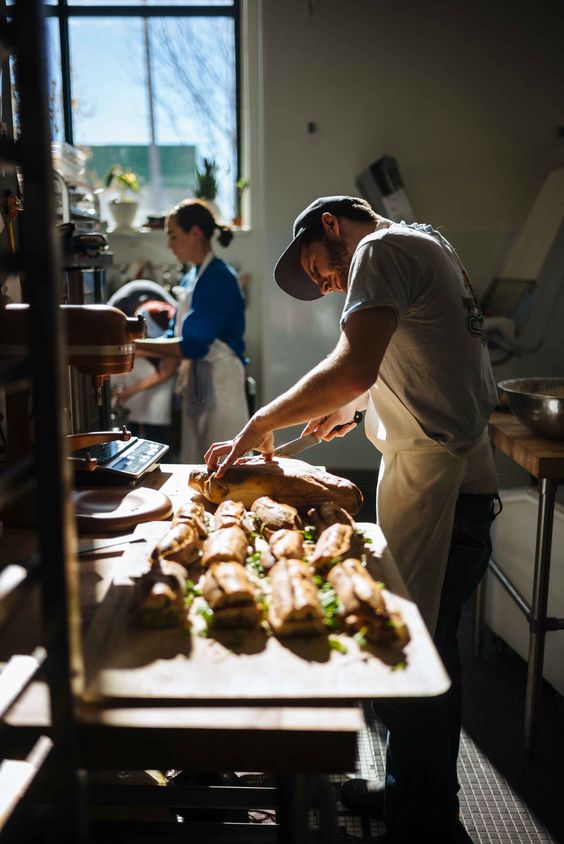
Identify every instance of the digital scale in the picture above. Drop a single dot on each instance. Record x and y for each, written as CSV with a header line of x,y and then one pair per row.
x,y
121,462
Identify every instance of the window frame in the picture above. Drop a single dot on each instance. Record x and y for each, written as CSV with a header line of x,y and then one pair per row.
x,y
64,12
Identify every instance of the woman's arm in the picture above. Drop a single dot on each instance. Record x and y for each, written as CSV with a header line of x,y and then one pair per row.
x,y
165,347
166,370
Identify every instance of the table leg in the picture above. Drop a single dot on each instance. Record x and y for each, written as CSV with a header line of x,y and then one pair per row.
x,y
293,809
537,628
297,795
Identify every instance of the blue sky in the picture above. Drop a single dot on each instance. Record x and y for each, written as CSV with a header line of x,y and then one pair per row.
x,y
110,104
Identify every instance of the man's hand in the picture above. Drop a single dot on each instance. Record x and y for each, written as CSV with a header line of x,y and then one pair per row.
x,y
337,424
252,437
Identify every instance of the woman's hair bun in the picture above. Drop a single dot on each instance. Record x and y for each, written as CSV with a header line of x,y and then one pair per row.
x,y
195,212
225,235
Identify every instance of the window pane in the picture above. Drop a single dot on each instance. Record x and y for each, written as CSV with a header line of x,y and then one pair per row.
x,y
192,75
55,80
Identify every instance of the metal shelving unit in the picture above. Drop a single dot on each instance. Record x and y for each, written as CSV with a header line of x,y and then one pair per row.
x,y
40,479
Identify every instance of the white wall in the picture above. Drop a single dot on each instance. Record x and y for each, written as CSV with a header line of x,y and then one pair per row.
x,y
466,94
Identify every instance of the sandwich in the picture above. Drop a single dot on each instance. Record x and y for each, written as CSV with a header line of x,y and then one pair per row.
x,y
335,543
229,544
233,514
273,516
159,595
326,514
295,609
362,603
229,593
193,513
181,543
283,544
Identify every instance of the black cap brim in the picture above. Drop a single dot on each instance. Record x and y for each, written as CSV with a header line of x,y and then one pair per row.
x,y
291,277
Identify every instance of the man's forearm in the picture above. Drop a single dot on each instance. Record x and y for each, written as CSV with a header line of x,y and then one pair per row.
x,y
325,389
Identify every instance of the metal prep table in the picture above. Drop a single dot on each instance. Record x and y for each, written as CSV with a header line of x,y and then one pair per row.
x,y
543,459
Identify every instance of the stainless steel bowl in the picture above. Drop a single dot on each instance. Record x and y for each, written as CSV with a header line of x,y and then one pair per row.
x,y
538,403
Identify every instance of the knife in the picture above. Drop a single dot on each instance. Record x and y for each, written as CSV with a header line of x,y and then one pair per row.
x,y
100,544
293,447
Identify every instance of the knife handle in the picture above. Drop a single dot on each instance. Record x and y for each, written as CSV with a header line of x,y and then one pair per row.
x,y
357,419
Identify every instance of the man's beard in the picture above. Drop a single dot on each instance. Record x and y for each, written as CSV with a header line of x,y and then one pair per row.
x,y
339,258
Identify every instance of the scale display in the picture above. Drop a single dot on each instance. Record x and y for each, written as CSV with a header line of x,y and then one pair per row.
x,y
129,460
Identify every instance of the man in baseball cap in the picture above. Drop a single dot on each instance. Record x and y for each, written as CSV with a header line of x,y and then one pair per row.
x,y
308,226
412,353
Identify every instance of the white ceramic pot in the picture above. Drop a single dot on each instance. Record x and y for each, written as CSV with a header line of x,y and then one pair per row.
x,y
123,212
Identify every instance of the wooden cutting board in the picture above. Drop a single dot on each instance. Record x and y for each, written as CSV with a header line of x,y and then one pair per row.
x,y
126,663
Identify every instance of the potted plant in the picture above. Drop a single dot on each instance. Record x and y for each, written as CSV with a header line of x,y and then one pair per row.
x,y
124,206
241,185
206,185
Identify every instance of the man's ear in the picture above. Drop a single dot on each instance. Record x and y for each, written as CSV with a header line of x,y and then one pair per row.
x,y
330,224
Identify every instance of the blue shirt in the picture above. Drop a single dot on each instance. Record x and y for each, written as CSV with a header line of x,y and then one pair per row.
x,y
217,312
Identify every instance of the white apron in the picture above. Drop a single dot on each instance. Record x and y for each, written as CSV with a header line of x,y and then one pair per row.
x,y
228,384
418,485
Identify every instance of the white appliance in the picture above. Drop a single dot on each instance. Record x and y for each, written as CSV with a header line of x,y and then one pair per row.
x,y
381,184
513,538
531,278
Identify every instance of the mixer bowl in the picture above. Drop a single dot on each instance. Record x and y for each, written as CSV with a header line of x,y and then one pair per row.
x,y
538,403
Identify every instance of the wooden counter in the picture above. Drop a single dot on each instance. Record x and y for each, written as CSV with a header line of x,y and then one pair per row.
x,y
541,457
154,695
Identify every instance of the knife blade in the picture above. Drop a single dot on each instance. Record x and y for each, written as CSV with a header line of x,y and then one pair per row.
x,y
89,547
293,447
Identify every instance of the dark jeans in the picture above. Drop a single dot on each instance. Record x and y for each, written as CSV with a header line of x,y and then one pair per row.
x,y
421,795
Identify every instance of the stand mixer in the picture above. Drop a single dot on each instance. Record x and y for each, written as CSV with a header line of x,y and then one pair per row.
x,y
99,342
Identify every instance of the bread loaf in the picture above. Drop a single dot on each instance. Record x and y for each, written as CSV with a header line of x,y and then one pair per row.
x,y
291,481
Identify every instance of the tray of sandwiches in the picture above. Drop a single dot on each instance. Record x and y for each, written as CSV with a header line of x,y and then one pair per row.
x,y
261,589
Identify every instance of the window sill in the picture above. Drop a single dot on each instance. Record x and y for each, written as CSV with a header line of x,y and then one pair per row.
x,y
145,231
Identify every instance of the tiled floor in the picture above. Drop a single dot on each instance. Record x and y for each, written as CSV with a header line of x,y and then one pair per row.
x,y
507,795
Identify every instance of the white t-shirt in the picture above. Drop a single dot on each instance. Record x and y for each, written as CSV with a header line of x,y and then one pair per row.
x,y
152,406
437,361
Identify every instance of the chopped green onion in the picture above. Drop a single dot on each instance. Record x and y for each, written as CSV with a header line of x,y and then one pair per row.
x,y
254,562
360,637
192,591
336,645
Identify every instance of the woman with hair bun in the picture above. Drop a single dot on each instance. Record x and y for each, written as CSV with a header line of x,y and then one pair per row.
x,y
209,328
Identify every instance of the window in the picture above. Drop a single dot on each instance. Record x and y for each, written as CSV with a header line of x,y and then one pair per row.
x,y
151,89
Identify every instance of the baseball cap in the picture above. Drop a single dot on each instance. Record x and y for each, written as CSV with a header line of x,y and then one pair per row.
x,y
288,272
